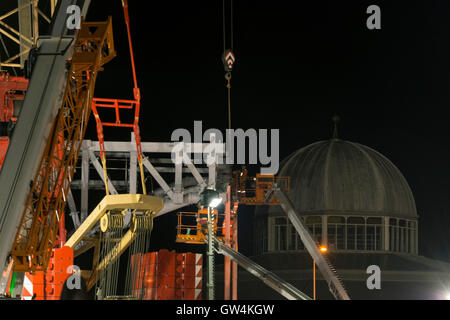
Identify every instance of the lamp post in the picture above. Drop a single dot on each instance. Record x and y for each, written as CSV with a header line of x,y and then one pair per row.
x,y
322,249
210,198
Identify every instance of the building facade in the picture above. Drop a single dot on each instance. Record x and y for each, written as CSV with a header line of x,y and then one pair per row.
x,y
356,202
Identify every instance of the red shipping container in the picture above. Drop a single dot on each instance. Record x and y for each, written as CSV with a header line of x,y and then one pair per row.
x,y
189,270
166,258
54,278
166,268
188,294
188,282
158,275
50,291
49,278
189,258
165,281
164,293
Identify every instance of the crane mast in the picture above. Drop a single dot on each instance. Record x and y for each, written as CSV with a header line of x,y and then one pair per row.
x,y
45,205
58,103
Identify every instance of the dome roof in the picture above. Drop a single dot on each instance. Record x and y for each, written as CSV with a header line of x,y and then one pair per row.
x,y
342,177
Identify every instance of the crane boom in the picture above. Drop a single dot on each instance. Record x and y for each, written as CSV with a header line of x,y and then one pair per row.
x,y
46,201
329,273
42,101
58,105
272,280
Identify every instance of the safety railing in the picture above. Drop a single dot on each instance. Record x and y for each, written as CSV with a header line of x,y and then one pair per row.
x,y
252,190
192,227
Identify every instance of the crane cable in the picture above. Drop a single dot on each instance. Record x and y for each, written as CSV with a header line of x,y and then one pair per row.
x,y
228,57
137,97
138,263
112,225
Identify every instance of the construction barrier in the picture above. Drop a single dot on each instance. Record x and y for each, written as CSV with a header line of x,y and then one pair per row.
x,y
167,275
49,284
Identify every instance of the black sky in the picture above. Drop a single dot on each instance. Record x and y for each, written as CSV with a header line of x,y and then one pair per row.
x,y
298,63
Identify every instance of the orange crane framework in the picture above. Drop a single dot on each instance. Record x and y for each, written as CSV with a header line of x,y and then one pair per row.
x,y
38,229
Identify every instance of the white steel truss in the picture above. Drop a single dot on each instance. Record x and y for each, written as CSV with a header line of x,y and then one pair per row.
x,y
180,183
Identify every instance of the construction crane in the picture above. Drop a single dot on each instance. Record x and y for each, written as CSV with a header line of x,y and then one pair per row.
x,y
72,60
46,201
58,102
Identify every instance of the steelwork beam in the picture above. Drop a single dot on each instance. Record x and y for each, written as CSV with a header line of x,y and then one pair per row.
x,y
156,147
194,171
73,209
272,280
212,164
99,169
132,171
159,179
178,178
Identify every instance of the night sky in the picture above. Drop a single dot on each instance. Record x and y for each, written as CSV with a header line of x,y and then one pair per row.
x,y
299,63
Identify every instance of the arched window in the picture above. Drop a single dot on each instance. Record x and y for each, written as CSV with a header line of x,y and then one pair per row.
x,y
356,233
280,234
393,234
336,233
260,236
285,237
345,233
374,232
412,236
314,224
402,235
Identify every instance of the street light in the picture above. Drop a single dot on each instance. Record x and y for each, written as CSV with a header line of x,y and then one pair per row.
x,y
323,249
215,202
210,198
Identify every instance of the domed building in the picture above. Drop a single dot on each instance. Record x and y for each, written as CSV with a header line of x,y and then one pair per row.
x,y
351,197
356,202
